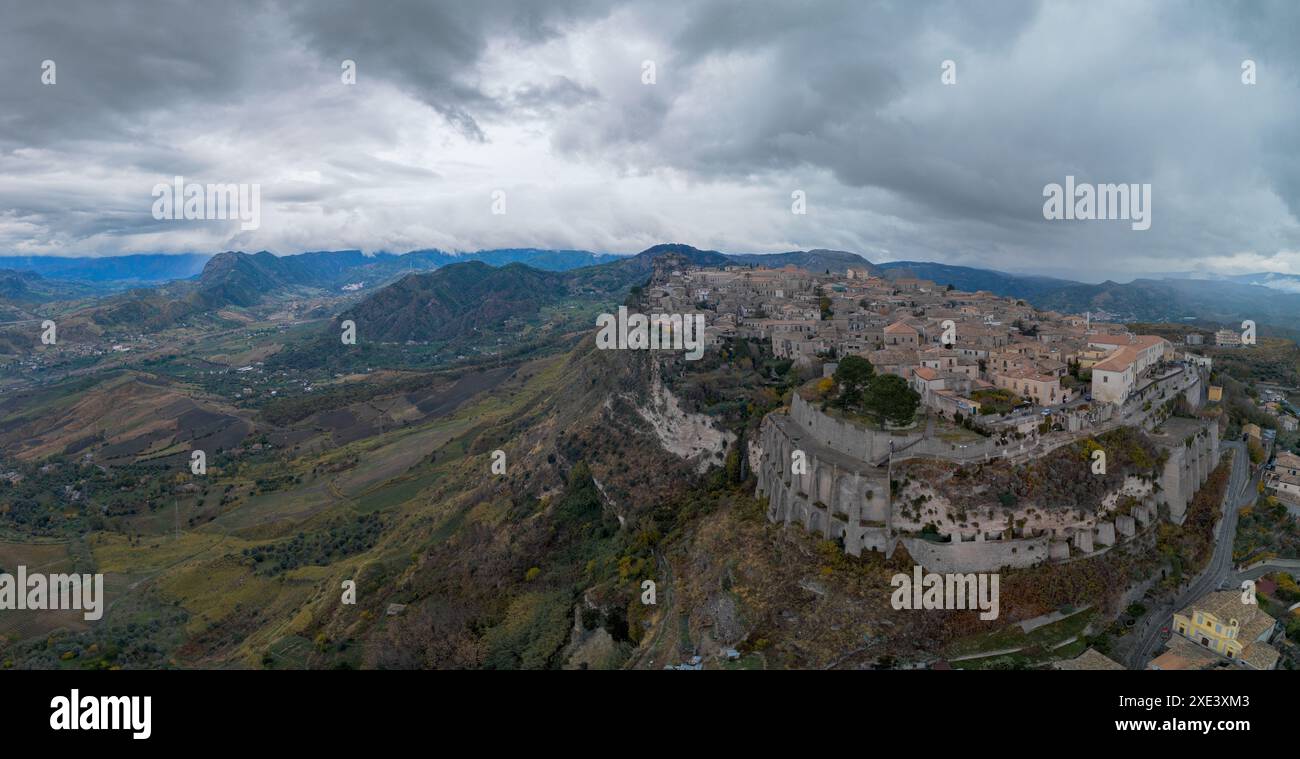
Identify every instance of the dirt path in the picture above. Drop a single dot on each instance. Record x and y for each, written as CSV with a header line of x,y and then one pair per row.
x,y
667,614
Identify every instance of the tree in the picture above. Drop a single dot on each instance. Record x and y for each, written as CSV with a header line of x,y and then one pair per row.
x,y
1255,450
891,400
853,375
735,461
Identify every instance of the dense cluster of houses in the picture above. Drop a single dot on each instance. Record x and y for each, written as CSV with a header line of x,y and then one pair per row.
x,y
949,345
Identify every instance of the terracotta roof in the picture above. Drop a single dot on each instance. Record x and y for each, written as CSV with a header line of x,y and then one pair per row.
x,y
1127,353
1117,361
1225,605
1091,660
1027,374
1260,655
1183,654
900,328
1288,459
1125,339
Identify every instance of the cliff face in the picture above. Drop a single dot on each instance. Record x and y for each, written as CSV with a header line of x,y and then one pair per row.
x,y
693,437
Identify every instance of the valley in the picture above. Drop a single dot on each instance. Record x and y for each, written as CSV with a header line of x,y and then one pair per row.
x,y
371,465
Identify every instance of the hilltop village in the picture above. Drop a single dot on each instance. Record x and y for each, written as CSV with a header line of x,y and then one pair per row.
x,y
1000,385
953,347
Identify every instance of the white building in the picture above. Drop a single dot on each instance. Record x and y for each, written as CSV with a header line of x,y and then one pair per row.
x,y
1115,377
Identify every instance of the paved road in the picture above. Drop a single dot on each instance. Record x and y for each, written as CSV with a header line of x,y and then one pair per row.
x,y
1241,492
1272,565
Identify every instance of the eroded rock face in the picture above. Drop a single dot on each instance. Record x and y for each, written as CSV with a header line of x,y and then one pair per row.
x,y
690,436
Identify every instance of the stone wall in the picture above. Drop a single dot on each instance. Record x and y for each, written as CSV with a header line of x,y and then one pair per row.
x,y
846,437
873,445
1193,448
841,492
979,555
831,494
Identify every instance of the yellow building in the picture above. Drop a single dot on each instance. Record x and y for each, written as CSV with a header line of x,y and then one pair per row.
x,y
1089,357
1216,393
1226,625
1045,390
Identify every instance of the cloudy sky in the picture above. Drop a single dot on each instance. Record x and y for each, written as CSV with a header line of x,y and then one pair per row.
x,y
751,101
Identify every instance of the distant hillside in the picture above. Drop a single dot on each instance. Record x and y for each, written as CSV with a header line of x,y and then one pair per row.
x,y
1206,301
1273,280
235,278
645,259
29,288
456,299
972,280
228,279
238,278
142,268
811,260
819,261
329,269
549,260
242,279
378,268
1174,300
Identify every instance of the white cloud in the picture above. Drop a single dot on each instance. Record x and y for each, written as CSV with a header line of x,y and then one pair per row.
x,y
842,101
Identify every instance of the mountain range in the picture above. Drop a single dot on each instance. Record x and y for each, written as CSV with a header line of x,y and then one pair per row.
x,y
497,284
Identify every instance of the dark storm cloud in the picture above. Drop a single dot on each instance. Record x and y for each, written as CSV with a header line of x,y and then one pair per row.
x,y
1105,92
115,61
431,48
752,100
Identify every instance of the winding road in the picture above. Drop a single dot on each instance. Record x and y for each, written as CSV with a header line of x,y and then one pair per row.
x,y
1242,491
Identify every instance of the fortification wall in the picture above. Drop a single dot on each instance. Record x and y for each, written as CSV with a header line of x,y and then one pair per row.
x,y
821,489
977,555
837,490
846,437
873,445
1193,454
